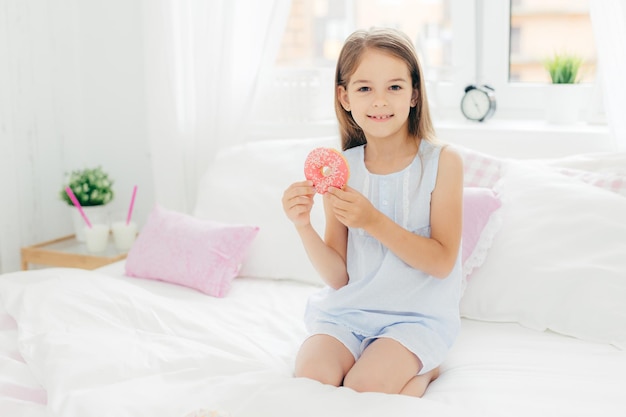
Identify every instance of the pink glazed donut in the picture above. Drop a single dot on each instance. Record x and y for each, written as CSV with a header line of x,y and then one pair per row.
x,y
326,167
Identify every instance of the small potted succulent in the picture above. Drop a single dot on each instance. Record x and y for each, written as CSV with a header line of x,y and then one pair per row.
x,y
564,95
93,189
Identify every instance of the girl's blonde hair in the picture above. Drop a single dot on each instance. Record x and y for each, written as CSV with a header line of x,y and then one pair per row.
x,y
398,45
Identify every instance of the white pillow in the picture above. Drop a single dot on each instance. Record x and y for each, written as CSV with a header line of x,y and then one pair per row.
x,y
559,260
598,162
245,185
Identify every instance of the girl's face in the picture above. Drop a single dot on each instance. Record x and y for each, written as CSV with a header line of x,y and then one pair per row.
x,y
380,95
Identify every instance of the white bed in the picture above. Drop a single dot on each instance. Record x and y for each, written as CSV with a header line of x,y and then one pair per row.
x,y
543,332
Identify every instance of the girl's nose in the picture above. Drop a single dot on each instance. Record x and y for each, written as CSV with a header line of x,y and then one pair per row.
x,y
380,101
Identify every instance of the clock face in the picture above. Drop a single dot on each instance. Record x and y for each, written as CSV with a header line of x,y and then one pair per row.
x,y
475,104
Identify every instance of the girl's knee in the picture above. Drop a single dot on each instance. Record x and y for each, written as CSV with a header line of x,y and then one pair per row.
x,y
319,372
324,359
366,383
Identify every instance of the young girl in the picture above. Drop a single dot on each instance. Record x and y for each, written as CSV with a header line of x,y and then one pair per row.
x,y
390,253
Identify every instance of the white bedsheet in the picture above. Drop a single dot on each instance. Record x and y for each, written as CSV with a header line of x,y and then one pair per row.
x,y
20,393
103,345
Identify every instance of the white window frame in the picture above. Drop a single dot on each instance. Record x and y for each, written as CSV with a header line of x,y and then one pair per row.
x,y
445,96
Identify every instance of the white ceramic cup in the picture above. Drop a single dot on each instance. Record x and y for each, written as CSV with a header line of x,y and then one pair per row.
x,y
96,237
124,235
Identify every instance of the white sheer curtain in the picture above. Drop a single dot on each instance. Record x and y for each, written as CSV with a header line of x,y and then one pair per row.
x,y
608,18
203,63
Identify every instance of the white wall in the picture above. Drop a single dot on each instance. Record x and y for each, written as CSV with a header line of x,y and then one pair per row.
x,y
72,96
112,112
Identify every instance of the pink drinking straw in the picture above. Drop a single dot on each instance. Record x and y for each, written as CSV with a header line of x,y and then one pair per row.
x,y
70,193
132,204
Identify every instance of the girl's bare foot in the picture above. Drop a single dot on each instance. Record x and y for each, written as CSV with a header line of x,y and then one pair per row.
x,y
417,385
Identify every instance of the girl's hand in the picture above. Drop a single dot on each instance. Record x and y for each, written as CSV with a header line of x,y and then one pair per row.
x,y
298,202
351,207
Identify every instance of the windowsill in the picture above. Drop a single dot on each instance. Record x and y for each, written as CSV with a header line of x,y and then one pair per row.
x,y
524,124
522,138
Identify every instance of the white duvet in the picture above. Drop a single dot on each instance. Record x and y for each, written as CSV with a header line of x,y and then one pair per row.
x,y
104,345
111,346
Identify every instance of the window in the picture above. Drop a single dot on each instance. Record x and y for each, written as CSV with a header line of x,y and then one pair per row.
x,y
301,89
518,36
541,28
460,42
317,29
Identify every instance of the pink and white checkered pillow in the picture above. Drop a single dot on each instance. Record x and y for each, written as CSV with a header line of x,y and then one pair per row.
x,y
181,249
480,170
613,182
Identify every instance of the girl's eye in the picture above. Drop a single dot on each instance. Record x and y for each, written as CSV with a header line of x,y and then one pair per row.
x,y
363,89
395,87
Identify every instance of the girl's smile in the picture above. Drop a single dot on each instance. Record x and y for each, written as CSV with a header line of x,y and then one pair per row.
x,y
381,118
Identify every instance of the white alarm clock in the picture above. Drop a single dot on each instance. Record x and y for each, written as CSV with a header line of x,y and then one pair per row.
x,y
478,102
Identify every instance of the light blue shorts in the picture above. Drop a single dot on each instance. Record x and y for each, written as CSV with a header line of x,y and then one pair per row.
x,y
427,345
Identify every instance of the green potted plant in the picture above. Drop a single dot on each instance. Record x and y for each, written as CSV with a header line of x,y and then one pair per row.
x,y
92,187
564,95
94,190
563,68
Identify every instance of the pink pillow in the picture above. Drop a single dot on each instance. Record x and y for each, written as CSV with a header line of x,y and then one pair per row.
x,y
480,224
180,249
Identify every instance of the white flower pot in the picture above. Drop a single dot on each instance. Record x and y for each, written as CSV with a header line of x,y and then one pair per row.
x,y
95,214
564,103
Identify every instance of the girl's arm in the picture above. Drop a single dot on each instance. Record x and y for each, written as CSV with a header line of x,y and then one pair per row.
x,y
328,257
435,255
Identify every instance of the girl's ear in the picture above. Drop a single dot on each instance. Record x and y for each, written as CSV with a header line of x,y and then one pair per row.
x,y
342,94
414,97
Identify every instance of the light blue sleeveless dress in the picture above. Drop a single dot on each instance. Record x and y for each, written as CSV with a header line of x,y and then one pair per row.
x,y
385,297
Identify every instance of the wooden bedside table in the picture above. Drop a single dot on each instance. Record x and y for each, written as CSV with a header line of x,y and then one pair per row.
x,y
68,252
